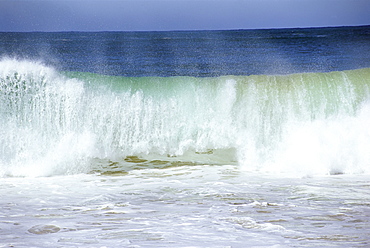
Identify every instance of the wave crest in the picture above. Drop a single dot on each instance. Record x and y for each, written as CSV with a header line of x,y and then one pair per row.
x,y
59,123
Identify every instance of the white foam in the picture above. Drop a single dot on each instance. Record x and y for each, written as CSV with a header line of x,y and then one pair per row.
x,y
323,147
51,124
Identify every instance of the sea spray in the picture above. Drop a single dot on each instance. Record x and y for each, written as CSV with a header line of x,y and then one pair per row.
x,y
290,111
60,123
39,119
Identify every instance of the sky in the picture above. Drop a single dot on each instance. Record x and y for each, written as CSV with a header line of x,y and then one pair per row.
x,y
160,15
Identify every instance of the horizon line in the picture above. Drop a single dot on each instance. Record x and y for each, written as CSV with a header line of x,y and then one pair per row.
x,y
187,30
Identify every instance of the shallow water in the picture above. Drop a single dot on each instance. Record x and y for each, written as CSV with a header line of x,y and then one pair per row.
x,y
185,206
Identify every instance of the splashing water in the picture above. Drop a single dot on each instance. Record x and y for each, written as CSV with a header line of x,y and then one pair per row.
x,y
56,123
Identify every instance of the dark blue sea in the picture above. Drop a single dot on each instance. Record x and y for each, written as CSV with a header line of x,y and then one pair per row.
x,y
195,53
238,138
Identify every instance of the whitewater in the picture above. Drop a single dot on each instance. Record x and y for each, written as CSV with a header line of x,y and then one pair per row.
x,y
134,153
56,123
120,156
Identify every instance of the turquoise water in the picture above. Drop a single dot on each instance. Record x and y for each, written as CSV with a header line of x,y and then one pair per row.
x,y
59,123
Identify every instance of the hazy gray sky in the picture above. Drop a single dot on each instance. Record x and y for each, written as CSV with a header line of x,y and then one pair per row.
x,y
130,15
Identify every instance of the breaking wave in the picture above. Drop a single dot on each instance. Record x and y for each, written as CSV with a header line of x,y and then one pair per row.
x,y
56,123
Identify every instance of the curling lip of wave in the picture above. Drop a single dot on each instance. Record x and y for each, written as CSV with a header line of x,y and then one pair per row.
x,y
60,123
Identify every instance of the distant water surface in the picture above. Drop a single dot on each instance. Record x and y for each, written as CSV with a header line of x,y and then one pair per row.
x,y
196,53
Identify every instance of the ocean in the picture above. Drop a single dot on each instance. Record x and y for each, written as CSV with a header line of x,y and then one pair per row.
x,y
238,138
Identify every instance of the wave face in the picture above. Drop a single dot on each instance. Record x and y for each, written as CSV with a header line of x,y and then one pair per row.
x,y
56,123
